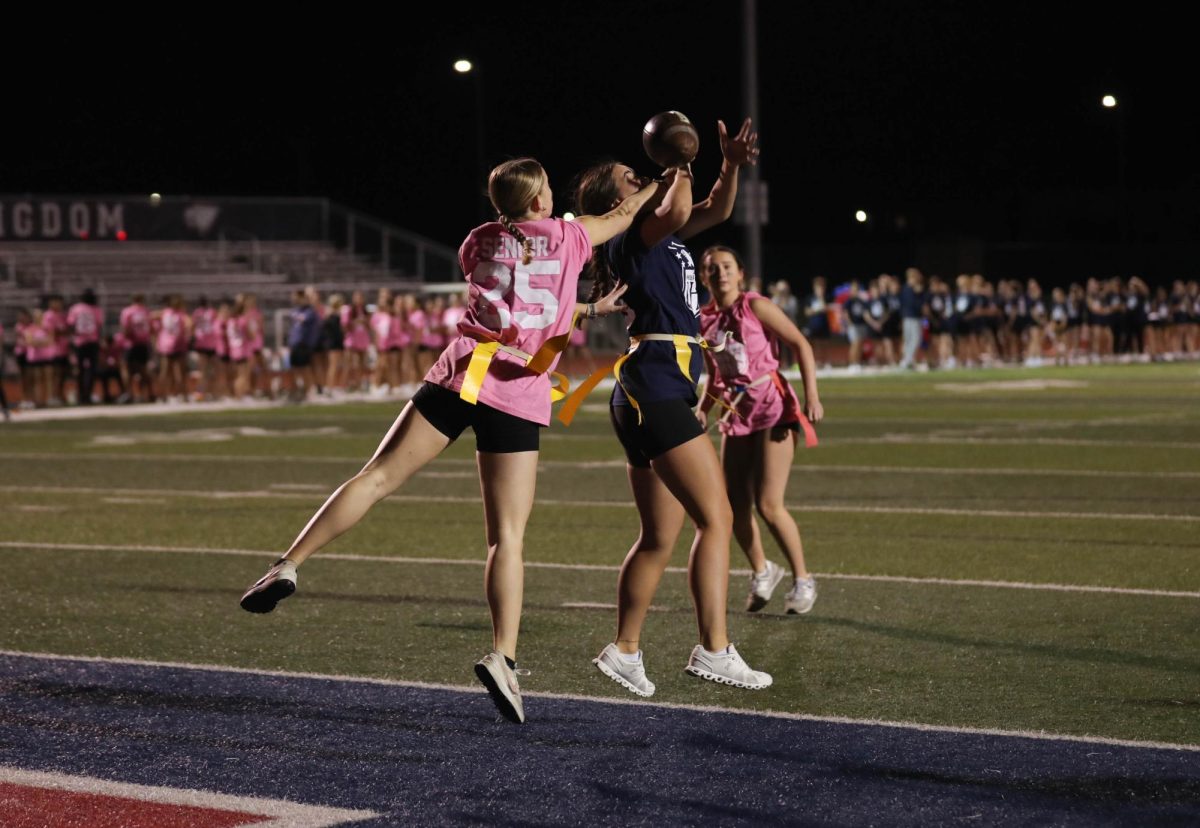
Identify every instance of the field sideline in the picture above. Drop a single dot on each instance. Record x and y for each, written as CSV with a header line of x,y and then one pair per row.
x,y
997,552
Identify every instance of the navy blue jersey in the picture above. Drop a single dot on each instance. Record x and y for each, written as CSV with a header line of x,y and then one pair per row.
x,y
856,309
663,298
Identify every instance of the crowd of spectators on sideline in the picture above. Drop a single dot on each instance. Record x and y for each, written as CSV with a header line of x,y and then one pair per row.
x,y
217,350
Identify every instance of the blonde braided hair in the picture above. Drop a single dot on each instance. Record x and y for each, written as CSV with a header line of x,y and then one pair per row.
x,y
512,187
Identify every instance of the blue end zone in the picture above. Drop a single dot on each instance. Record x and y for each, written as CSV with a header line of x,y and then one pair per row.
x,y
443,757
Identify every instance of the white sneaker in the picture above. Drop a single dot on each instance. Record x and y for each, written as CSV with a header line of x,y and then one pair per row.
x,y
270,589
762,586
726,667
629,674
801,597
501,683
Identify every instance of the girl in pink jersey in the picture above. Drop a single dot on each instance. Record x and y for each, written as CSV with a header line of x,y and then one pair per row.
x,y
357,339
54,320
256,337
204,342
381,337
39,352
418,319
86,321
137,331
238,338
174,334
759,421
522,273
399,340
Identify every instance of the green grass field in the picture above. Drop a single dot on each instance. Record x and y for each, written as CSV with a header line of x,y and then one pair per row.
x,y
1079,477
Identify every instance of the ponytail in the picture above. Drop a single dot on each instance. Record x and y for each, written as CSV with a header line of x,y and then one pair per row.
x,y
515,232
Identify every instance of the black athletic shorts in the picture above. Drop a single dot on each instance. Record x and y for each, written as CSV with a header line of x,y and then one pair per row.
x,y
137,355
496,432
665,425
300,356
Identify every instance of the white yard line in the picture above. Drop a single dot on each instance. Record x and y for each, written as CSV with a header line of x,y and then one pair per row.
x,y
588,465
283,814
265,554
761,714
834,508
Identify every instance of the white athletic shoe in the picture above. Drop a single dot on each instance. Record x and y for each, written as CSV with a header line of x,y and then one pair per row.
x,y
801,597
501,683
270,589
762,586
629,674
726,667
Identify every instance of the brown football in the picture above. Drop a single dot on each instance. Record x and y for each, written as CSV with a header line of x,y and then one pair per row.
x,y
670,139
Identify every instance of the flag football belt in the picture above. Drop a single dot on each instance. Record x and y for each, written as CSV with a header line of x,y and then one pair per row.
x,y
539,363
739,392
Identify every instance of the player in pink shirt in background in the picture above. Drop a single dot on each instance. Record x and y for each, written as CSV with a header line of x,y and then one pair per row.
x,y
136,330
381,337
204,343
760,419
39,355
522,272
239,341
86,321
255,337
399,340
418,320
174,334
357,339
54,321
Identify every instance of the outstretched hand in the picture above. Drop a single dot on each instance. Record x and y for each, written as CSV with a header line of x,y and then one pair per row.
x,y
612,302
741,148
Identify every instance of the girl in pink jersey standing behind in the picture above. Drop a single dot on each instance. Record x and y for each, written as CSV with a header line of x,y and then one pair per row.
x,y
137,332
381,335
86,321
174,333
355,329
205,337
522,272
760,419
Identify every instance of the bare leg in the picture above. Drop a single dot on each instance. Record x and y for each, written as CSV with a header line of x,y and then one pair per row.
x,y
737,458
410,444
661,517
692,473
775,449
507,482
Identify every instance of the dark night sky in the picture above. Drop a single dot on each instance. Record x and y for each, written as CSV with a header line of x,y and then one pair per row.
x,y
950,113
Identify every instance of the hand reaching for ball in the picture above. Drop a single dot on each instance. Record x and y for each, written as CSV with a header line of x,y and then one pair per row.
x,y
740,149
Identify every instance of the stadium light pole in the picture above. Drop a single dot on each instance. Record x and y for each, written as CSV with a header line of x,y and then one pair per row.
x,y
466,67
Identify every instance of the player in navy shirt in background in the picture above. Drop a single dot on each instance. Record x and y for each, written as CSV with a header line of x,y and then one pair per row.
x,y
673,468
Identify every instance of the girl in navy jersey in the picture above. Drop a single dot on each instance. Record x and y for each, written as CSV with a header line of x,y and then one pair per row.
x,y
522,271
673,470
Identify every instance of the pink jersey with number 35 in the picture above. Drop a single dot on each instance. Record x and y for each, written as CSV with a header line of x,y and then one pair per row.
x,y
516,304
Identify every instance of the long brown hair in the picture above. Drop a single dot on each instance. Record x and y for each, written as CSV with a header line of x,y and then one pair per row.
x,y
512,187
595,194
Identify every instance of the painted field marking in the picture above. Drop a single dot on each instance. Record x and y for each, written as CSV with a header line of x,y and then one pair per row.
x,y
395,559
624,702
282,814
585,465
132,500
835,508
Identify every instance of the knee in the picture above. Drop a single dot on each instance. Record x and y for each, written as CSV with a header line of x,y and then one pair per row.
x,y
717,518
772,511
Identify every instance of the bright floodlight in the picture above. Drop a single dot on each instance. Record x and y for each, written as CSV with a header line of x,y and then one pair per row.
x,y
155,199
568,216
1109,101
463,66
860,216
